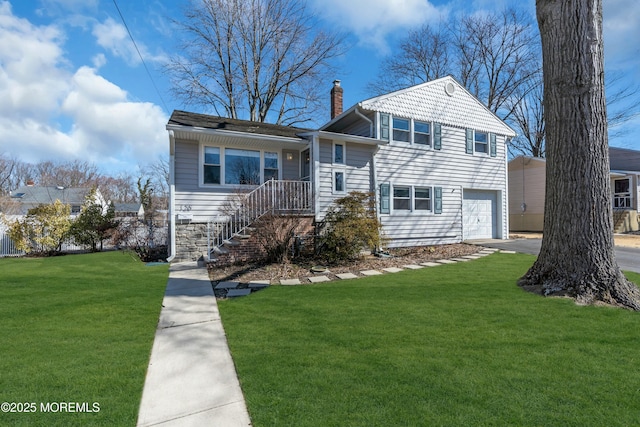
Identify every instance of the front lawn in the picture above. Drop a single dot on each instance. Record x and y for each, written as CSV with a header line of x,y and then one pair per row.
x,y
77,330
450,345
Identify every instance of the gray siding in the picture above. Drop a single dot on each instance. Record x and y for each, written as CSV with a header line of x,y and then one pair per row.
x,y
357,172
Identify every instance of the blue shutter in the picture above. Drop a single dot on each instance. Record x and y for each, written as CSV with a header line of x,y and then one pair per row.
x,y
437,200
493,147
384,126
469,141
437,136
385,199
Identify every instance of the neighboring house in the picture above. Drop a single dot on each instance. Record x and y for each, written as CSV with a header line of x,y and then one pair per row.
x,y
31,196
129,210
434,156
527,188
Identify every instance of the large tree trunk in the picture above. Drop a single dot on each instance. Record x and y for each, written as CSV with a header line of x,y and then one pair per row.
x,y
577,256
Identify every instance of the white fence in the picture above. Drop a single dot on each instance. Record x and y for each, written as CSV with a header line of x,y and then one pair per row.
x,y
7,247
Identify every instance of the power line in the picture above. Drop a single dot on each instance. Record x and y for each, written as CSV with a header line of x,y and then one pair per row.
x,y
140,55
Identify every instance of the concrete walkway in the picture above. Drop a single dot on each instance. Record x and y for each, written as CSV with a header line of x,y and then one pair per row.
x,y
191,380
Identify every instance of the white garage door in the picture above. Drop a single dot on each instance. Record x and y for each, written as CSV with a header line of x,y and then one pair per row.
x,y
479,215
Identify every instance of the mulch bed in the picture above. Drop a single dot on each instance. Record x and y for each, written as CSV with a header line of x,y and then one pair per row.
x,y
301,268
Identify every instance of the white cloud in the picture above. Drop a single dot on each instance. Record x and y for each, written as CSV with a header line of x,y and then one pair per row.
x,y
372,21
51,112
114,37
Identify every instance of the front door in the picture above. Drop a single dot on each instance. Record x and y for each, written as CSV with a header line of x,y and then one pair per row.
x,y
622,194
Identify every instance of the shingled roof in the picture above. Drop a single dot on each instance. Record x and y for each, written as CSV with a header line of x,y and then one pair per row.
x,y
184,118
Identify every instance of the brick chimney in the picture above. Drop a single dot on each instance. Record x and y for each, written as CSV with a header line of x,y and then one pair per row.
x,y
336,99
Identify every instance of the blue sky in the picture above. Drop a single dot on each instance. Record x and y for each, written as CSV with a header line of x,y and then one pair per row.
x,y
73,87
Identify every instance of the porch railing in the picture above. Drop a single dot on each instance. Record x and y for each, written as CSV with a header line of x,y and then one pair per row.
x,y
622,200
274,197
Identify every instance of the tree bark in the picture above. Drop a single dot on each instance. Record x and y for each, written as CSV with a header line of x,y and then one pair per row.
x,y
577,256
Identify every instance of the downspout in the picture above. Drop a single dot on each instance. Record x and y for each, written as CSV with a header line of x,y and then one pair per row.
x,y
172,197
315,172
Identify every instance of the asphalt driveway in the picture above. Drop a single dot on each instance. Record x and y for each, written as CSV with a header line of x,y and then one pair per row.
x,y
628,258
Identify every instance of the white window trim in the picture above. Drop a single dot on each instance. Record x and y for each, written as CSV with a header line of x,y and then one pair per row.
x,y
343,171
487,144
411,141
412,200
223,148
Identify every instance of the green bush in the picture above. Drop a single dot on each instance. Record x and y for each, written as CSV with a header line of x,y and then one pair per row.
x,y
43,229
351,226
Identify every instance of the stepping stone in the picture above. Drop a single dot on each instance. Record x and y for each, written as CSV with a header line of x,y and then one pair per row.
x,y
470,257
370,272
318,279
227,285
430,264
238,293
459,259
259,284
490,250
345,276
446,261
391,270
413,266
507,252
289,282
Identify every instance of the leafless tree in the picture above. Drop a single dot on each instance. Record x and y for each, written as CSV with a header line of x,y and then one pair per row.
x,y
7,167
254,59
423,55
528,118
577,256
76,173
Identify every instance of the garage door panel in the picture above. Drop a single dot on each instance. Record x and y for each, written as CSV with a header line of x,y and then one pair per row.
x,y
479,214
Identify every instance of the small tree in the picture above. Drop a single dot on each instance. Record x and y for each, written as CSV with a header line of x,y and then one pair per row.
x,y
352,226
93,225
43,230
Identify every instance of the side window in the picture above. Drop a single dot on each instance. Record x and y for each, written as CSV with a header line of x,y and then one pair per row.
x,y
338,154
401,130
338,182
270,166
211,165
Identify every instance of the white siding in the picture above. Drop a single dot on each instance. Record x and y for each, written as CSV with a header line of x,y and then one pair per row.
x,y
450,168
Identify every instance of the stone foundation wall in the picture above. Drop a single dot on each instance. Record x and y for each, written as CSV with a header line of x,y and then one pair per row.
x,y
191,244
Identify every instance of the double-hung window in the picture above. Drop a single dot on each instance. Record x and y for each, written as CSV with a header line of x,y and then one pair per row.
x,y
401,198
401,130
422,198
421,133
481,142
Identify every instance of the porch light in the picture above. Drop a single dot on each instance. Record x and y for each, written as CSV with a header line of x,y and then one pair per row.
x,y
289,156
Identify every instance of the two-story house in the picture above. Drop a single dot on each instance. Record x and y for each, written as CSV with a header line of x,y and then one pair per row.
x,y
434,156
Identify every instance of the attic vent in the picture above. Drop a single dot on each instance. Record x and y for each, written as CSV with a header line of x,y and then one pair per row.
x,y
450,88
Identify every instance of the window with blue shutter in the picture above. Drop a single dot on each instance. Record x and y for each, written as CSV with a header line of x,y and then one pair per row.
x,y
384,199
469,141
493,146
437,136
437,200
384,126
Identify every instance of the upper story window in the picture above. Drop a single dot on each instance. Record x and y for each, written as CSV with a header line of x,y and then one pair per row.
x,y
422,133
401,130
338,154
481,142
211,165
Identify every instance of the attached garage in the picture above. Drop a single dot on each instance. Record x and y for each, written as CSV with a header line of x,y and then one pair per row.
x,y
480,214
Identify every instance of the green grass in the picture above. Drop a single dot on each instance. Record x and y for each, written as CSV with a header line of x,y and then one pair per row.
x,y
455,345
77,328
